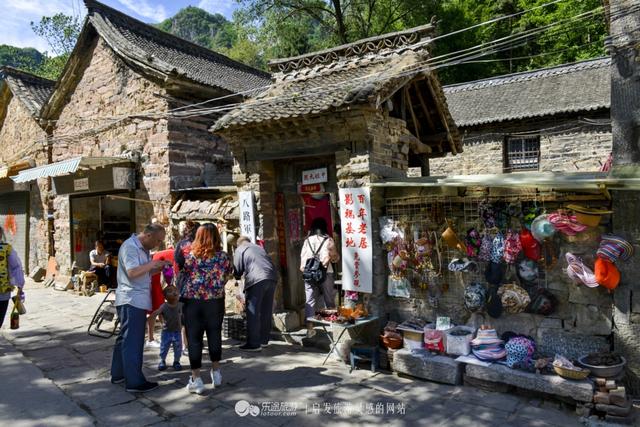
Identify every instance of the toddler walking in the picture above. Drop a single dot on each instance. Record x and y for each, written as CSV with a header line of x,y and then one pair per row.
x,y
171,335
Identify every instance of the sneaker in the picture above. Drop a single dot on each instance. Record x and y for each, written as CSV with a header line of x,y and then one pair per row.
x,y
152,344
196,386
247,347
264,345
177,366
162,366
185,351
145,387
117,380
216,378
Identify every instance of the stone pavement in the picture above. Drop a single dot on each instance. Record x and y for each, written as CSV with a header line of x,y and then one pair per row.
x,y
53,373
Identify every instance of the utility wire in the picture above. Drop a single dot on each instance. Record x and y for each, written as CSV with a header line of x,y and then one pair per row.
x,y
479,50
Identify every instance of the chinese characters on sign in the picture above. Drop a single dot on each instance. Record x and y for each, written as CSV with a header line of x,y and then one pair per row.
x,y
247,215
314,176
357,253
81,184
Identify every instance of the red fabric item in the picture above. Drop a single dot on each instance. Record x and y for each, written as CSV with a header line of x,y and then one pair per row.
x,y
530,246
607,274
317,208
157,297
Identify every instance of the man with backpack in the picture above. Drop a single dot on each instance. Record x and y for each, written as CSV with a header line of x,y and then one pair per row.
x,y
260,276
318,253
11,275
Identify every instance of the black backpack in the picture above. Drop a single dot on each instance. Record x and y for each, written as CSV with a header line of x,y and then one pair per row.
x,y
314,271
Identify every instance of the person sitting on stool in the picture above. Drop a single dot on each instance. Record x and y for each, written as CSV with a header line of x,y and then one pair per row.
x,y
100,263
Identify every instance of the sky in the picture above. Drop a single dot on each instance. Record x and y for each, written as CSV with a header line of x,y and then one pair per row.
x,y
17,15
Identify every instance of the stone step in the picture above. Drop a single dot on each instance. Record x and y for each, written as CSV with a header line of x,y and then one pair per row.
x,y
581,391
422,364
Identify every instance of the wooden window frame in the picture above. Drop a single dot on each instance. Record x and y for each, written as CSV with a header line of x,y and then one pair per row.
x,y
529,158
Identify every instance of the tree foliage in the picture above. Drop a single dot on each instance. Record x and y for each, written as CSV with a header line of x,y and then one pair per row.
x,y
60,31
22,58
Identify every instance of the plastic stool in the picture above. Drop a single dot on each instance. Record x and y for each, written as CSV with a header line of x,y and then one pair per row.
x,y
364,353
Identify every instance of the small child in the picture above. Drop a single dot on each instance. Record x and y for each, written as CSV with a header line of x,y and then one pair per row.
x,y
171,335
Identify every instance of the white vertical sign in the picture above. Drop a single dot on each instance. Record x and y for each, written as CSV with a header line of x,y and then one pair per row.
x,y
357,253
247,215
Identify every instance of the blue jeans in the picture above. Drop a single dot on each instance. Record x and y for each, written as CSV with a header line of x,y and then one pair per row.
x,y
259,311
168,339
127,353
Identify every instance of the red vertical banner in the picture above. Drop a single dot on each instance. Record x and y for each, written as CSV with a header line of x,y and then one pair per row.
x,y
282,238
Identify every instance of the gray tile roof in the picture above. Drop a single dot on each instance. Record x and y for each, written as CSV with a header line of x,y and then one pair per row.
x,y
166,54
319,90
581,86
367,71
31,90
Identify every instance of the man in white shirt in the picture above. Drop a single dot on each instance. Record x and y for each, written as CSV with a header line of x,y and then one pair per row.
x,y
319,241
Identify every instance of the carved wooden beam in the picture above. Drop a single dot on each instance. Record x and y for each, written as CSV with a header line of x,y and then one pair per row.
x,y
416,125
443,118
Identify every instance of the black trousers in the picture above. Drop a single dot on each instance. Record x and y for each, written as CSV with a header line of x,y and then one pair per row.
x,y
199,317
3,310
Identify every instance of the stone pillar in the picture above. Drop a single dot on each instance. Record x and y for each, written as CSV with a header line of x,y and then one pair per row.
x,y
625,104
260,177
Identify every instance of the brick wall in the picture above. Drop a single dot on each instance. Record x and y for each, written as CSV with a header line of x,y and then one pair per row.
x,y
575,150
23,135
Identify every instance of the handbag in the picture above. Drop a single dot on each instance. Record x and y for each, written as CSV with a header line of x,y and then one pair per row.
x,y
19,305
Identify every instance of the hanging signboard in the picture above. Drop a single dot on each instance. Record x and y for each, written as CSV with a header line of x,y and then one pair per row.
x,y
357,252
247,215
314,176
81,184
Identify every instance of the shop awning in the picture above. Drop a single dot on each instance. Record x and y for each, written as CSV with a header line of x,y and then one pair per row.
x,y
557,180
13,168
66,167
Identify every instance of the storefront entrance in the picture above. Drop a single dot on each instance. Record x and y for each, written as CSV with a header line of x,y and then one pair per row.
x,y
14,219
99,217
303,201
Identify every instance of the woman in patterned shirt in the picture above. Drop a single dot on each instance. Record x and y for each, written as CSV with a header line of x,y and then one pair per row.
x,y
206,269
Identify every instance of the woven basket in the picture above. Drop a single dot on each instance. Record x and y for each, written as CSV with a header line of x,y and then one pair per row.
x,y
390,342
571,374
234,327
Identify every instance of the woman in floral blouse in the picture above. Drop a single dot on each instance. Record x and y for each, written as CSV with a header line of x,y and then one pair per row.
x,y
206,269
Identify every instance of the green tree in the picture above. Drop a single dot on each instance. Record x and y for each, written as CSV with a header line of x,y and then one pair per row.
x,y
61,33
28,59
200,27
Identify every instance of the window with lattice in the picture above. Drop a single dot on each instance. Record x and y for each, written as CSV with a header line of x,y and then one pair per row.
x,y
521,153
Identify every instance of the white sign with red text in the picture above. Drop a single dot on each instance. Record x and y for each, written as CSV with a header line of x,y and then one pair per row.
x,y
247,216
357,253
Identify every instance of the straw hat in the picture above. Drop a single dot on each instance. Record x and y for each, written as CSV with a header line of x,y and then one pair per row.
x,y
606,273
486,337
588,216
579,272
451,239
613,248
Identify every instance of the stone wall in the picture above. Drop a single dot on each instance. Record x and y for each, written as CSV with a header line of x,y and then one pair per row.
x,y
574,150
108,89
23,134
197,158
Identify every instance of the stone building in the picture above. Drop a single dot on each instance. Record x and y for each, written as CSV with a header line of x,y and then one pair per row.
x,y
354,114
126,140
23,207
549,120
